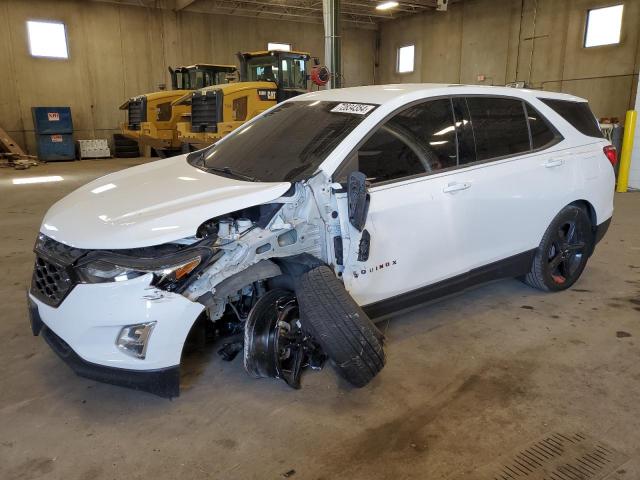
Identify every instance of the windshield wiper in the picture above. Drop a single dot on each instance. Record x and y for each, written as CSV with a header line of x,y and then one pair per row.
x,y
231,173
196,158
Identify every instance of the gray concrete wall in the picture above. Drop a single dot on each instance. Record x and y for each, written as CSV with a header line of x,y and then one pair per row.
x,y
508,40
118,51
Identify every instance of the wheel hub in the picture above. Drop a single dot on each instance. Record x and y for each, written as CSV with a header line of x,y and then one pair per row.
x,y
566,252
276,346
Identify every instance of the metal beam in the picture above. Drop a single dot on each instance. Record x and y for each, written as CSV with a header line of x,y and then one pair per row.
x,y
361,13
265,9
293,8
360,23
333,41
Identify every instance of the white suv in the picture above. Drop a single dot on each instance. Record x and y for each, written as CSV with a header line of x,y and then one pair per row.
x,y
327,210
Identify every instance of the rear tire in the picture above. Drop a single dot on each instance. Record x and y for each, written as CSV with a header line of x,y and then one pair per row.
x,y
563,252
346,334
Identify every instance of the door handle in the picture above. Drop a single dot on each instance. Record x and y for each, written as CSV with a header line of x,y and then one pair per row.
x,y
554,162
455,187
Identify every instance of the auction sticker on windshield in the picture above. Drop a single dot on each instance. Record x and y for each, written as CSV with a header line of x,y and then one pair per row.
x,y
355,108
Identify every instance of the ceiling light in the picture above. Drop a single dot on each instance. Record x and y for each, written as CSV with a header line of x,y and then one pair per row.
x,y
386,5
52,178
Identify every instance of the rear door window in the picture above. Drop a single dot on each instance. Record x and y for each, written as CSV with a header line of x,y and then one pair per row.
x,y
499,126
542,133
466,143
577,114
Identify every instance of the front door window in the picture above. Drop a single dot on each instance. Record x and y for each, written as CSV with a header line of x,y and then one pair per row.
x,y
420,139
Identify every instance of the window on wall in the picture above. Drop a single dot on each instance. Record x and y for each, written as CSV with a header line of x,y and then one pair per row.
x,y
603,26
47,39
406,57
279,46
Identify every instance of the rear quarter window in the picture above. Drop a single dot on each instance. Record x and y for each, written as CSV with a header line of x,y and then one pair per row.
x,y
542,133
578,114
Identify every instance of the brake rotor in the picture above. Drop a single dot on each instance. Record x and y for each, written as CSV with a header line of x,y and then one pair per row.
x,y
274,344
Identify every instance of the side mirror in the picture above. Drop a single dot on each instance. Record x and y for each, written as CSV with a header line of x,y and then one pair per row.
x,y
358,199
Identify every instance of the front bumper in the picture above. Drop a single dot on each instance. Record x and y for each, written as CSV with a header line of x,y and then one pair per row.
x,y
164,382
84,328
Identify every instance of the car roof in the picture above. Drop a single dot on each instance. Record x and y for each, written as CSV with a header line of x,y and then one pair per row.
x,y
381,94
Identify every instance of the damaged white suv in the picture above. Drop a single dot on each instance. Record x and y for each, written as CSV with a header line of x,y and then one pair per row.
x,y
327,210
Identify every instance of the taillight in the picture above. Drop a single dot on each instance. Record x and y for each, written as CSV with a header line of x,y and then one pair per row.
x,y
611,153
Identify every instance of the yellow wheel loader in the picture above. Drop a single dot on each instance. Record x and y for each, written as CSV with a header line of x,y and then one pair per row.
x,y
266,78
152,119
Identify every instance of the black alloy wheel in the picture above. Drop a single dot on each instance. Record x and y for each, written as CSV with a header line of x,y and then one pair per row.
x,y
567,251
563,251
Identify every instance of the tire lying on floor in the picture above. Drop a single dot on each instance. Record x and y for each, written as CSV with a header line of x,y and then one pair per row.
x,y
348,337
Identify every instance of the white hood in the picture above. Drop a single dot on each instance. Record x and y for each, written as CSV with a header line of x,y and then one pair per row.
x,y
150,204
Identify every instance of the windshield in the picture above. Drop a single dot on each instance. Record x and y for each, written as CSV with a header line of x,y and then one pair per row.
x,y
262,69
194,79
289,73
294,74
286,145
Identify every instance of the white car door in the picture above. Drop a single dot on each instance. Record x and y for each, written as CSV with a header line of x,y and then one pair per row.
x,y
517,181
413,226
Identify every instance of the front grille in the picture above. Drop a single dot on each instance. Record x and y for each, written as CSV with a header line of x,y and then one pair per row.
x,y
206,110
53,276
137,112
50,282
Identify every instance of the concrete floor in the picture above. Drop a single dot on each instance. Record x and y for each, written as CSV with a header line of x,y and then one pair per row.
x,y
468,379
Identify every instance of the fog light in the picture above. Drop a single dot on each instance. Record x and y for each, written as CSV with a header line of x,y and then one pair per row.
x,y
133,339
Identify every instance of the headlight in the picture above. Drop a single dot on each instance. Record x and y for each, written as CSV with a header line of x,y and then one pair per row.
x,y
101,271
170,275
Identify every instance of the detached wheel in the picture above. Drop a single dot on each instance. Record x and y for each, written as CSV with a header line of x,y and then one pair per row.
x,y
272,341
346,334
563,251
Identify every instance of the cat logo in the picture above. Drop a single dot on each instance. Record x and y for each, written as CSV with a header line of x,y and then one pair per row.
x,y
267,94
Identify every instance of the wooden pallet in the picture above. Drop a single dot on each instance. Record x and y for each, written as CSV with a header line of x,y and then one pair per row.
x,y
9,145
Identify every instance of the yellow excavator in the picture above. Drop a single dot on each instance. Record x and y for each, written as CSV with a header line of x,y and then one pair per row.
x,y
266,78
152,117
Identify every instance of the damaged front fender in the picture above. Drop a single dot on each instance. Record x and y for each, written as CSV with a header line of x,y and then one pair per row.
x,y
249,247
216,301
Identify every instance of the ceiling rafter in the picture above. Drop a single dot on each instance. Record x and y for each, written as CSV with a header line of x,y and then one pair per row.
x,y
359,13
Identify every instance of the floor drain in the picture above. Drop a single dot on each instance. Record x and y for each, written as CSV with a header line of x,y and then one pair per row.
x,y
556,457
